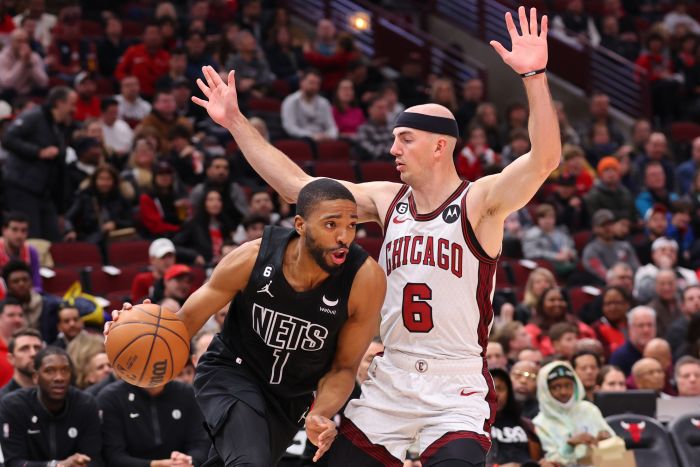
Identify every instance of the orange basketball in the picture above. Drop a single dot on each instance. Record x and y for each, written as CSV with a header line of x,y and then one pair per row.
x,y
148,346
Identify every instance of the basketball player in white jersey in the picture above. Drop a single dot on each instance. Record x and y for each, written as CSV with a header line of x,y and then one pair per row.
x,y
442,240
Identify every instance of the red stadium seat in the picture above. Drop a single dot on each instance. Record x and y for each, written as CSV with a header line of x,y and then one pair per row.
x,y
128,252
91,28
581,296
264,104
333,150
133,29
296,149
199,275
61,282
103,283
371,244
75,254
373,229
337,170
231,148
684,132
376,171
581,239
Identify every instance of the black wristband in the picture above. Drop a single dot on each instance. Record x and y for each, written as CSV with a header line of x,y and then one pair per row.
x,y
532,73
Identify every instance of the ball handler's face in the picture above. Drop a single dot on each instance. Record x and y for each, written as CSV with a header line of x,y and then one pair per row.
x,y
328,231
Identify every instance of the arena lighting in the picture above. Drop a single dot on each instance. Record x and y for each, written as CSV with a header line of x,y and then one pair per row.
x,y
359,21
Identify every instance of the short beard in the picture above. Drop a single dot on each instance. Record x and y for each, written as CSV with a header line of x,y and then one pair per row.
x,y
28,372
317,253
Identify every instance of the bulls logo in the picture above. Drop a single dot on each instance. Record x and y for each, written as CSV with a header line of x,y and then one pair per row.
x,y
695,422
451,214
634,429
401,208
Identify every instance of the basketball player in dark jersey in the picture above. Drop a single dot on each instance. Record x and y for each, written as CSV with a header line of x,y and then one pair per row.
x,y
305,306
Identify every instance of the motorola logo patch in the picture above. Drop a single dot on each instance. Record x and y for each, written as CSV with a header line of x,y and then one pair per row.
x,y
451,214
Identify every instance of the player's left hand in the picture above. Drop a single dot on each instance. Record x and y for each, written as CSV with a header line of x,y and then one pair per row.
x,y
529,52
321,432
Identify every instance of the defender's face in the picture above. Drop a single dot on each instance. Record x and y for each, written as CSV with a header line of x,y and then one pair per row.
x,y
411,149
328,232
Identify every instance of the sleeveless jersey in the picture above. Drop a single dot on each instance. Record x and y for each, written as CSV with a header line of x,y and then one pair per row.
x,y
440,282
287,339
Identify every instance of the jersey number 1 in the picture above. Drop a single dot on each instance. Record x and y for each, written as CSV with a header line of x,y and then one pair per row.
x,y
417,312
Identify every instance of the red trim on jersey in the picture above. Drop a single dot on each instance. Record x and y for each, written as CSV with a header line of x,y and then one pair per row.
x,y
470,237
392,206
360,440
483,299
435,446
432,215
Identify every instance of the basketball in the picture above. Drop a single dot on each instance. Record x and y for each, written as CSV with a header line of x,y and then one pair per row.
x,y
148,346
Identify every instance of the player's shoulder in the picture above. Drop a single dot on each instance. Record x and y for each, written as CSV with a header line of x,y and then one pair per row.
x,y
369,274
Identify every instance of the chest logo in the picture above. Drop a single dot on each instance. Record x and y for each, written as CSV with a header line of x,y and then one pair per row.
x,y
330,302
266,289
402,208
177,415
451,214
72,432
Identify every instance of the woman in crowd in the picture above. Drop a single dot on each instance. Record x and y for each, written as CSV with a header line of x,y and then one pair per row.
x,y
538,281
347,114
476,155
611,328
612,379
164,208
139,173
91,363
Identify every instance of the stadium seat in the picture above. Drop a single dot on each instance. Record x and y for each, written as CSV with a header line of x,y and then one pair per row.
x,y
502,279
102,283
646,437
580,297
61,282
684,132
199,275
297,150
581,239
264,104
75,254
373,230
376,171
333,150
337,170
128,252
685,434
91,28
371,244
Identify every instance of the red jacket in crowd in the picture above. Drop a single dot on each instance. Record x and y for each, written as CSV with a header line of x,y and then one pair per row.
x,y
137,61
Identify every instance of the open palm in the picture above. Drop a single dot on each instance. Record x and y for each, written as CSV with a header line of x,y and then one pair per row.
x,y
221,100
529,52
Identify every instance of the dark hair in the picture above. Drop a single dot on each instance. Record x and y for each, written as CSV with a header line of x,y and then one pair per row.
x,y
604,370
692,337
210,160
311,71
321,189
558,330
151,24
581,353
687,288
8,301
254,219
108,102
111,171
625,295
51,350
201,217
56,95
21,333
14,266
511,409
541,320
161,91
14,216
180,131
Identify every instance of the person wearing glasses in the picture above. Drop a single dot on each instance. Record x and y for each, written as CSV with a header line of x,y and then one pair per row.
x,y
524,378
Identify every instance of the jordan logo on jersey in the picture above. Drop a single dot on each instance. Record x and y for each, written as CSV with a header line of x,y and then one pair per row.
x,y
426,250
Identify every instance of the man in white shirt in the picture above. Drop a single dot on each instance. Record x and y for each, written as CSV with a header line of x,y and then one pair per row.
x,y
306,114
131,105
117,134
45,22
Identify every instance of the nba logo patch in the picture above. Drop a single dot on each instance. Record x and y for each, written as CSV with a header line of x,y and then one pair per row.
x,y
401,208
451,213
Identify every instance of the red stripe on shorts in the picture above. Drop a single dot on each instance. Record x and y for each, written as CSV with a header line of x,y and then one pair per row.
x,y
430,451
360,440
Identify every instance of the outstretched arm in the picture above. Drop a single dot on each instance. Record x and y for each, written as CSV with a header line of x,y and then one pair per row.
x,y
528,172
280,172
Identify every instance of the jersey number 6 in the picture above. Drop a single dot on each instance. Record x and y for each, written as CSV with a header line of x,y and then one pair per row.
x,y
417,312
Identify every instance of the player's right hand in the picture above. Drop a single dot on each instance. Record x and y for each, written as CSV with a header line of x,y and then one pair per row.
x,y
221,98
115,315
321,431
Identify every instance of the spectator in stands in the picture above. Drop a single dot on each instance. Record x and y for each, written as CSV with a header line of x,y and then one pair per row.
x,y
665,300
679,16
53,406
201,341
22,348
517,116
111,46
659,350
12,319
217,175
686,171
177,68
147,61
70,325
587,365
513,338
306,114
604,251
495,357
138,176
655,227
88,104
45,22
184,107
206,232
442,91
347,114
552,308
161,255
487,117
132,107
285,58
70,53
87,351
567,424
99,209
664,87
690,306
375,137
575,23
599,111
34,170
518,145
611,379
656,150
250,18
611,39
599,143
563,338
609,193
575,164
29,26
23,70
687,376
165,207
641,325
89,156
547,241
512,436
187,160
476,156
253,74
472,96
664,255
177,282
523,374
117,134
648,374
611,328
568,206
679,228
568,133
253,226
163,117
539,280
390,93
197,56
130,413
14,246
530,355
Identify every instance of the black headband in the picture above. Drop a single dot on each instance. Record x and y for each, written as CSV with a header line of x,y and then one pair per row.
x,y
440,125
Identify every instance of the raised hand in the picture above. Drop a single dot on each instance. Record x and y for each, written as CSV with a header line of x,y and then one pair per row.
x,y
529,52
222,101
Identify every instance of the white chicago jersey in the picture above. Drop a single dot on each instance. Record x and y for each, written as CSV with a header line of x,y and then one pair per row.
x,y
440,281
